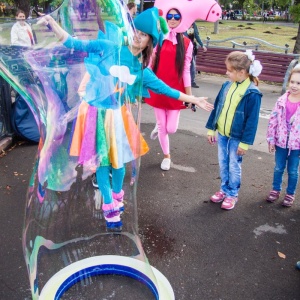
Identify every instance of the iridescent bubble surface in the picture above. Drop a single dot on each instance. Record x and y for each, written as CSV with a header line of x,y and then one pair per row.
x,y
74,95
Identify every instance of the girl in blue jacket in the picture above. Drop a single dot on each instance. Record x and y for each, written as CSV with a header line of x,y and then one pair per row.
x,y
235,117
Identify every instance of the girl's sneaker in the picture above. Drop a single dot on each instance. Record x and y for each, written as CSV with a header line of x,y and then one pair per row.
x,y
218,197
229,203
112,217
273,196
120,198
288,200
154,133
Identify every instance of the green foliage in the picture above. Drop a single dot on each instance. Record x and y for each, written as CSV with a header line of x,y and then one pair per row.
x,y
249,6
56,3
295,12
163,25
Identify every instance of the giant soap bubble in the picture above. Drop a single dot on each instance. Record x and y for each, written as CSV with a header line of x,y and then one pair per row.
x,y
87,107
66,240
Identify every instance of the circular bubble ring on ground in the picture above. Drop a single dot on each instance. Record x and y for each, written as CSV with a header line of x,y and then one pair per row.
x,y
108,265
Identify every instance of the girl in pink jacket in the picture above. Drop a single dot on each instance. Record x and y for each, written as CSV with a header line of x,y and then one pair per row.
x,y
283,137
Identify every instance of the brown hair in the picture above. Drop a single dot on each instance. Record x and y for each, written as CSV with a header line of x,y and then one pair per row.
x,y
20,11
239,61
147,52
131,5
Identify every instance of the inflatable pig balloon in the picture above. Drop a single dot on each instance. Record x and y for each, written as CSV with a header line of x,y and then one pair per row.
x,y
191,10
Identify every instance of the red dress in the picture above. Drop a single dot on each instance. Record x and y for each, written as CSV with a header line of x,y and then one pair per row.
x,y
167,72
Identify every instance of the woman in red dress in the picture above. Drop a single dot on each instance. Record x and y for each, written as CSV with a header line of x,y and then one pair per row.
x,y
172,65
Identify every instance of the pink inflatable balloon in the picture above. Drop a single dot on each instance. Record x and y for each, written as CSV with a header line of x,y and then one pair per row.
x,y
191,10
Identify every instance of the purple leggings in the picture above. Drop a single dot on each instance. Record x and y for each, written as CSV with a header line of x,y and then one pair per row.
x,y
167,121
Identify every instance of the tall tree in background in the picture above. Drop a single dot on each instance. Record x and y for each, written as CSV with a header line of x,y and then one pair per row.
x,y
98,15
295,13
293,8
23,4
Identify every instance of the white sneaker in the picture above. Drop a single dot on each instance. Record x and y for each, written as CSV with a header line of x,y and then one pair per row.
x,y
154,133
166,164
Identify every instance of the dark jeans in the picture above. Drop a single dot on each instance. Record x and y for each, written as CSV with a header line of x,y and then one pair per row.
x,y
193,69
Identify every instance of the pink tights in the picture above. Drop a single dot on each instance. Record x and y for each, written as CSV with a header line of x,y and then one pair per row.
x,y
167,121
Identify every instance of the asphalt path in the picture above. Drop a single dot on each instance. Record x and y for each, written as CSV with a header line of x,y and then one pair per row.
x,y
204,251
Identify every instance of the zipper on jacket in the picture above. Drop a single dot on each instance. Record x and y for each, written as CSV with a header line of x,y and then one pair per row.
x,y
237,83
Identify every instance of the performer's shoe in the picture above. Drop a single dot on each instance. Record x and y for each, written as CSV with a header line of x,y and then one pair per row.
x,y
112,217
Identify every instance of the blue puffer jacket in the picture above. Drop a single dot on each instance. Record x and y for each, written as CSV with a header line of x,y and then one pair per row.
x,y
245,120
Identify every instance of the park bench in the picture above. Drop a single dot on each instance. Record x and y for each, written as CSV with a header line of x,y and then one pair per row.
x,y
276,66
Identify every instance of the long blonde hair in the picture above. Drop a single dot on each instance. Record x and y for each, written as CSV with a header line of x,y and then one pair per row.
x,y
239,60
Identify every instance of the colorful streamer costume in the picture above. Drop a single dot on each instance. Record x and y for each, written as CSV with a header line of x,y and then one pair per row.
x,y
105,133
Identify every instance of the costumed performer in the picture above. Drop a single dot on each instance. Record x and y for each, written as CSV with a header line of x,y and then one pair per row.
x,y
171,64
105,131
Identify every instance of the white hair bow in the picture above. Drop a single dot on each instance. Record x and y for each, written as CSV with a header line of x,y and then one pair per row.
x,y
250,55
255,67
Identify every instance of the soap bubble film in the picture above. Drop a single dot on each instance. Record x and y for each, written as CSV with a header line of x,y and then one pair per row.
x,y
85,97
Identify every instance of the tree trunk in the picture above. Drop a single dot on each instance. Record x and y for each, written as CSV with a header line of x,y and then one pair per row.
x,y
297,43
24,5
216,27
98,15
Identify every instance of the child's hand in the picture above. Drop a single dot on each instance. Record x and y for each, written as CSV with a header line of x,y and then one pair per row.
x,y
240,151
271,148
202,103
211,139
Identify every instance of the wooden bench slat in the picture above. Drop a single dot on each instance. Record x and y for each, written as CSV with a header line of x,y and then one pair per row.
x,y
275,65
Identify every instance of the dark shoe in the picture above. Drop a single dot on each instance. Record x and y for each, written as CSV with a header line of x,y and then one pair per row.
x,y
194,85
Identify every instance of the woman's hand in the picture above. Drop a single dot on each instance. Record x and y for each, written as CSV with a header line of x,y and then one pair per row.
x,y
202,103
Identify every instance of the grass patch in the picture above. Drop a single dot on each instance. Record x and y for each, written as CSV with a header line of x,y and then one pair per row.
x,y
266,31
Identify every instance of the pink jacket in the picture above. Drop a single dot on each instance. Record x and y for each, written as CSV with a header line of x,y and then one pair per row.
x,y
277,133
